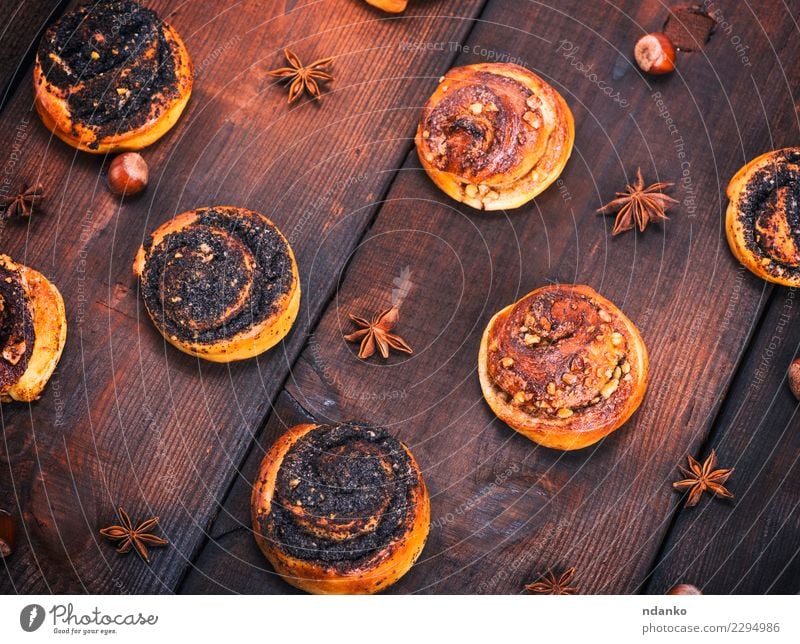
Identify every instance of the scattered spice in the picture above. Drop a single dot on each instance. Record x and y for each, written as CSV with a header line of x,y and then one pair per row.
x,y
138,538
22,203
701,478
637,205
684,589
549,584
303,77
8,534
377,332
689,28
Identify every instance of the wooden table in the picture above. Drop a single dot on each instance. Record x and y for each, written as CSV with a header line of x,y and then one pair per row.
x,y
129,421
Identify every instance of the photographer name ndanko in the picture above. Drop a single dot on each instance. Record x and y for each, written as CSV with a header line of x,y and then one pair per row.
x,y
65,615
655,610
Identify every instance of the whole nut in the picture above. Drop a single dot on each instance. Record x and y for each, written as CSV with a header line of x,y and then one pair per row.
x,y
684,589
655,54
128,174
8,533
794,377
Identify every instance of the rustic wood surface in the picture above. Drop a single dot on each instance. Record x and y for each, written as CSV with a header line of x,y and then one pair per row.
x,y
129,421
21,24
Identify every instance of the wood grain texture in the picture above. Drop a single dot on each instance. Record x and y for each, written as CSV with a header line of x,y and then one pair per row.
x,y
21,24
752,543
503,509
126,419
129,421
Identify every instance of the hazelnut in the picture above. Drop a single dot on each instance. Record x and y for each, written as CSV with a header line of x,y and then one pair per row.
x,y
684,589
128,174
655,54
794,377
8,534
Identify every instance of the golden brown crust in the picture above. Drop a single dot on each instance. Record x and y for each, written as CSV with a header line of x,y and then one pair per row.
x,y
46,307
377,569
563,366
390,6
762,222
494,135
198,249
52,100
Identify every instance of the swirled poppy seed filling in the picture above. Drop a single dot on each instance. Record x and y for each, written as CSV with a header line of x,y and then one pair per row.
x,y
219,276
115,62
342,494
769,211
16,328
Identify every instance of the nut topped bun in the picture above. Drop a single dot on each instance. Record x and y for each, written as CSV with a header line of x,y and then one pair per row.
x,y
563,366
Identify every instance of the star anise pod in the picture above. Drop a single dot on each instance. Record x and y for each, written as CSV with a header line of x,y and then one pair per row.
x,y
549,584
377,332
637,205
700,478
22,203
138,538
303,77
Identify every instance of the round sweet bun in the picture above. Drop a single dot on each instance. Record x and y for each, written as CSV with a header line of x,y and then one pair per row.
x,y
110,76
340,509
762,221
34,330
219,283
494,135
563,366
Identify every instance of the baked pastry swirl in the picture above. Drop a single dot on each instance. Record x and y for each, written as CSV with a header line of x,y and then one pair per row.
x,y
763,217
563,366
110,76
33,330
494,135
219,283
340,509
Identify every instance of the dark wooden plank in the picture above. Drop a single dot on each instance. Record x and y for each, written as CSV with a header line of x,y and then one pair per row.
x,y
751,544
504,509
21,24
126,420
230,538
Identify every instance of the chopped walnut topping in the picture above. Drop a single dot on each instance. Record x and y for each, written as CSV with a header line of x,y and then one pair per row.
x,y
609,388
531,339
532,119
